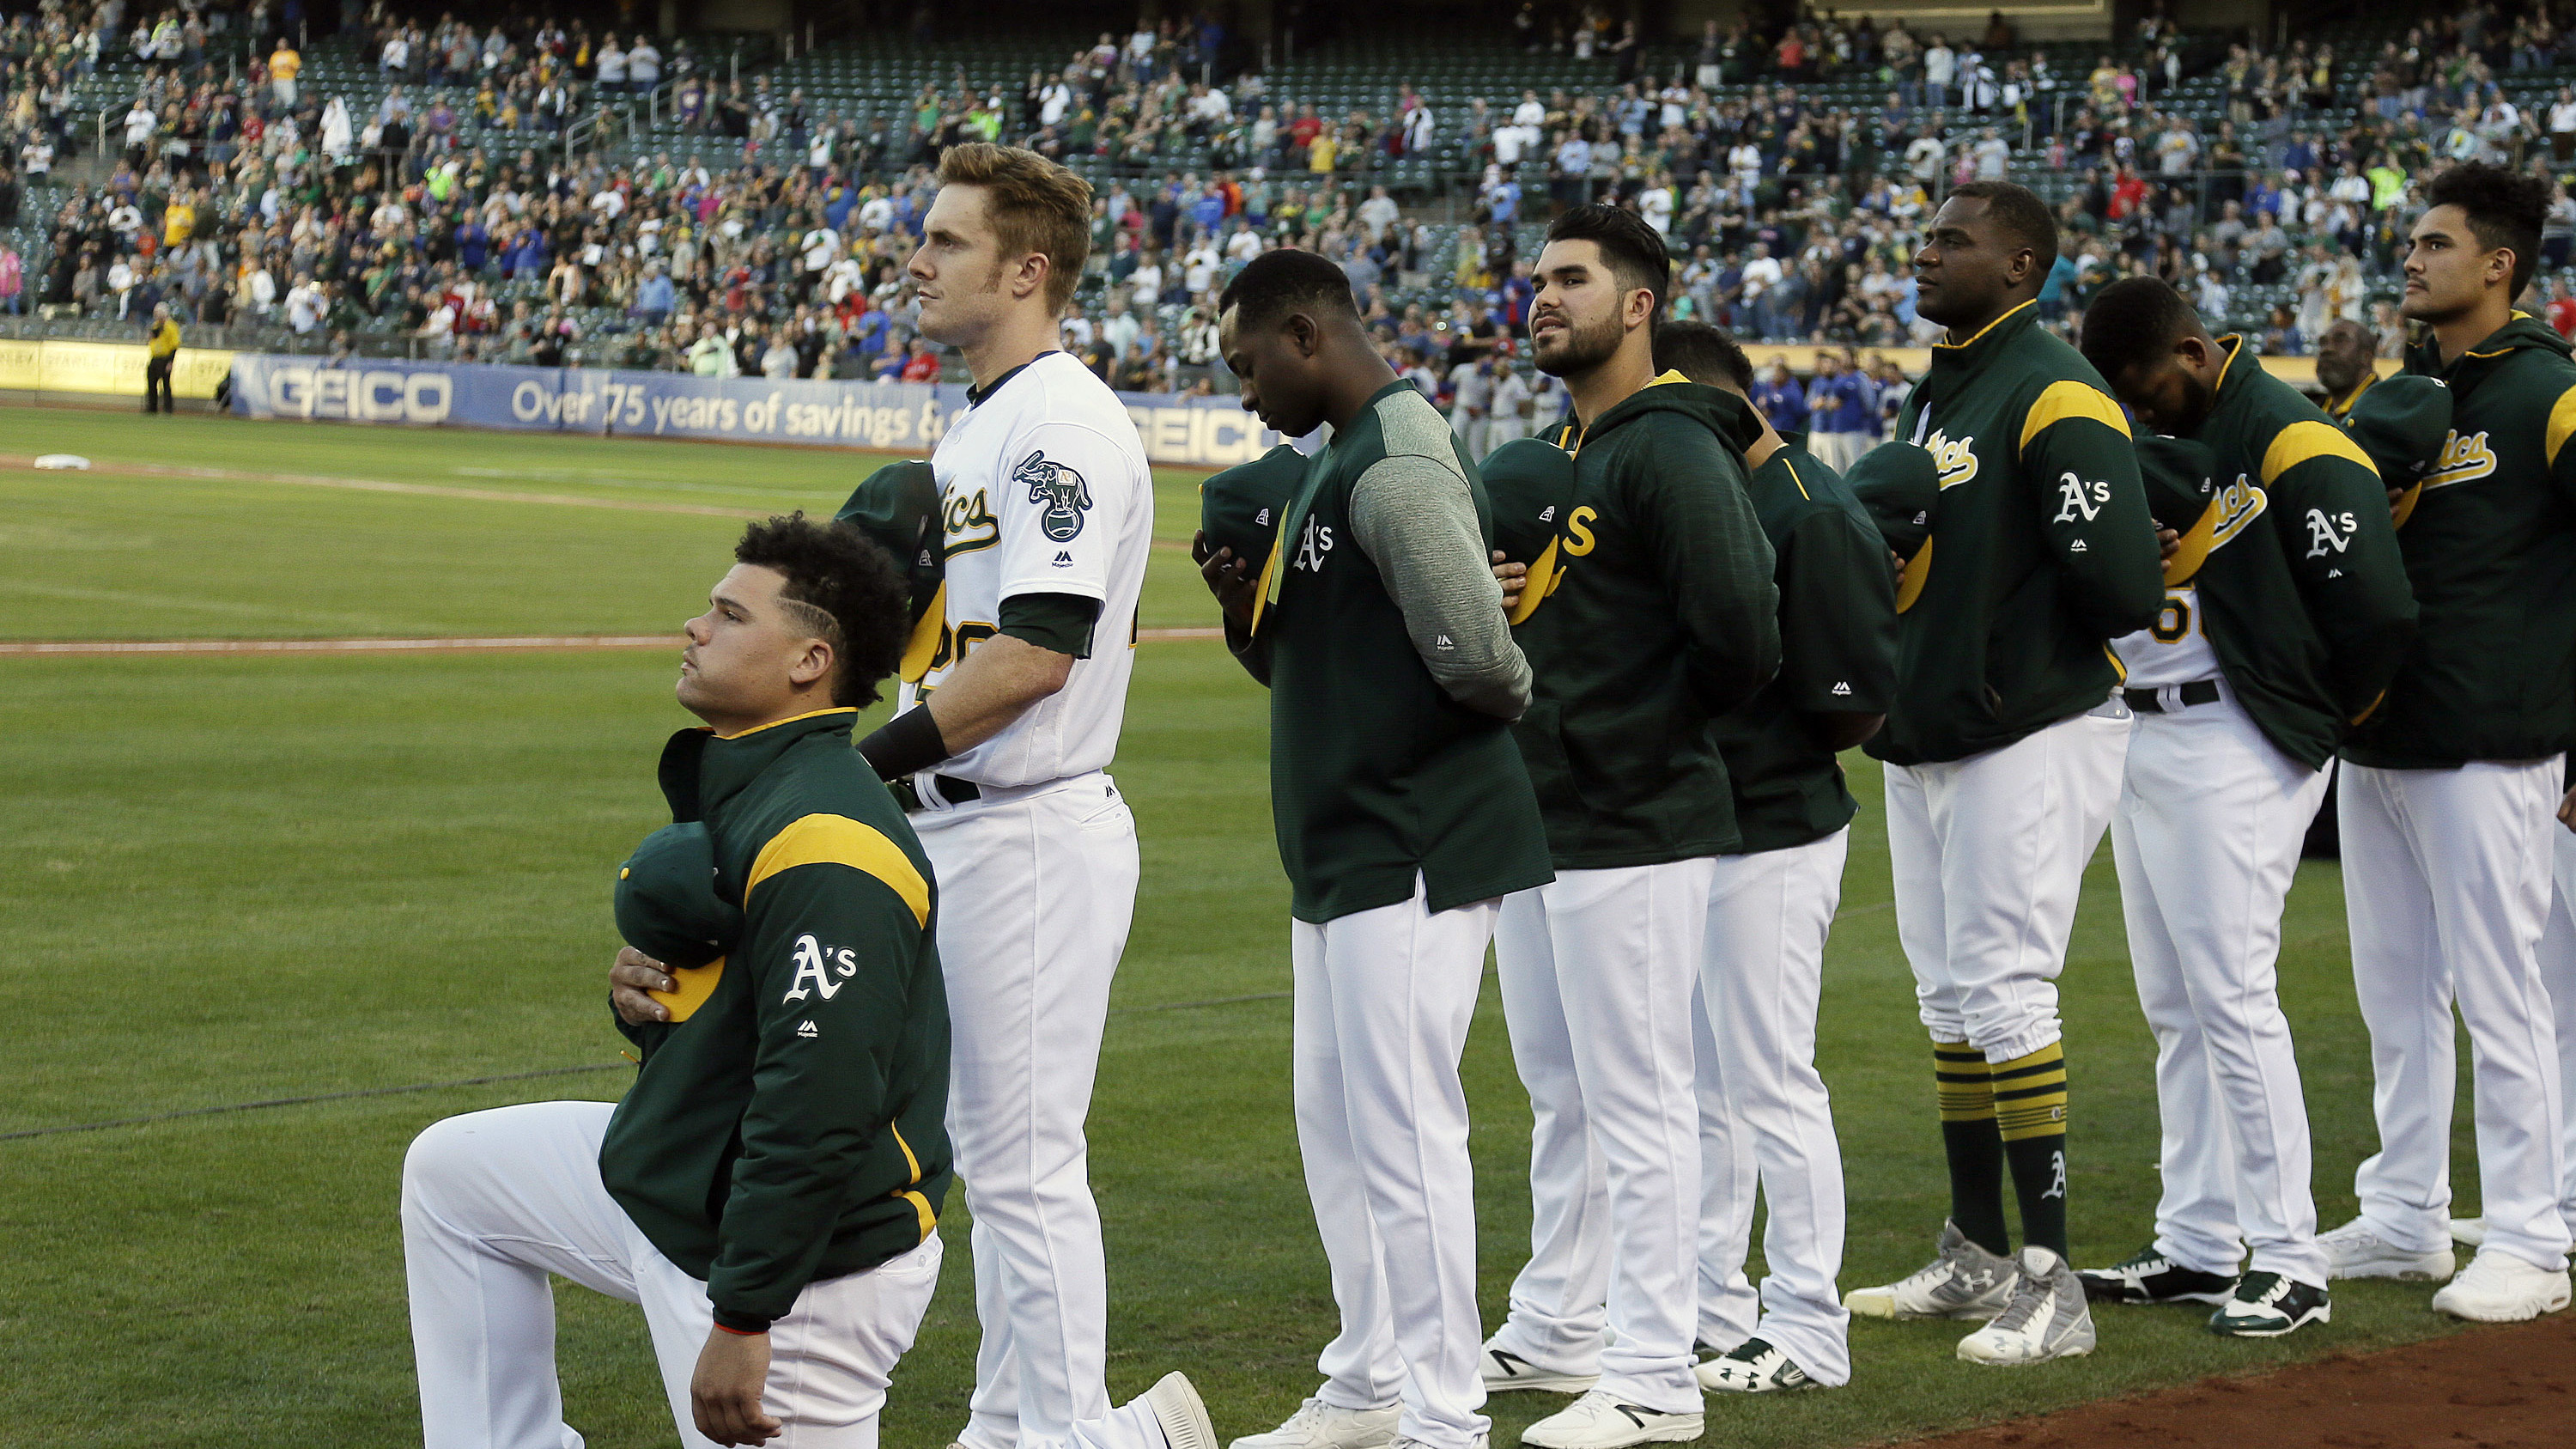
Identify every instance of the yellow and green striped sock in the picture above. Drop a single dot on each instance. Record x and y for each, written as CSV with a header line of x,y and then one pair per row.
x,y
2030,1117
1969,1140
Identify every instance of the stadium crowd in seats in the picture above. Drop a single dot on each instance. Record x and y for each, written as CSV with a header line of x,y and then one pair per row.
x,y
539,192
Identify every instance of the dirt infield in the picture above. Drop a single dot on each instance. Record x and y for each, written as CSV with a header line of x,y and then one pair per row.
x,y
404,646
2488,1388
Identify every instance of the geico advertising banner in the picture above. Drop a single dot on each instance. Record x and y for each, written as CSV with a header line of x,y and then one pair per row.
x,y
901,417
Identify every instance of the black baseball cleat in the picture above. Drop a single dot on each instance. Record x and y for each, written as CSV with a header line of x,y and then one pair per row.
x,y
2267,1305
2151,1277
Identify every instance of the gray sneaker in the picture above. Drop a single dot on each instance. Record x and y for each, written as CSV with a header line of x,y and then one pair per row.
x,y
2047,1318
1964,1281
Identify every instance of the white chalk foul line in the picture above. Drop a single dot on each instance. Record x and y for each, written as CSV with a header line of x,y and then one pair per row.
x,y
390,646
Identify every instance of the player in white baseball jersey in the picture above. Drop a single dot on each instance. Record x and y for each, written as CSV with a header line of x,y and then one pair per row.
x,y
2286,614
1047,514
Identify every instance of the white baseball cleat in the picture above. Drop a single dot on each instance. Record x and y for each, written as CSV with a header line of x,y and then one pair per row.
x,y
1319,1425
1965,1281
1180,1411
1601,1420
2354,1251
2498,1287
1509,1372
1753,1367
2047,1318
2471,1232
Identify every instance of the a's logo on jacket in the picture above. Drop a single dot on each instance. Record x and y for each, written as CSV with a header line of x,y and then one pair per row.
x,y
816,966
2329,533
1313,542
2077,500
2462,460
1060,491
1955,461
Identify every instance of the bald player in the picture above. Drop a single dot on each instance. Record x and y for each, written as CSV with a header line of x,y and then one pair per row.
x,y
2347,365
2449,786
2003,748
2286,612
1765,1115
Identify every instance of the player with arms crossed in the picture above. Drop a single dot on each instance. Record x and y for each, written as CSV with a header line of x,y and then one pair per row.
x,y
2286,612
1403,814
1011,712
1764,1112
2003,748
1657,616
2448,788
767,1189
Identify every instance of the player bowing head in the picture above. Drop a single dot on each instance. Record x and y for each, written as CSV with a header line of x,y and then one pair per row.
x,y
1001,248
1601,281
1987,251
1289,329
811,616
2151,346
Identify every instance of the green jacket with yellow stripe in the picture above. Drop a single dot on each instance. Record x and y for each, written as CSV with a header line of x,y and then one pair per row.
x,y
2489,539
785,1127
2293,566
2041,547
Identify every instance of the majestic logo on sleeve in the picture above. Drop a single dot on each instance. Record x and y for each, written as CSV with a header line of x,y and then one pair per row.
x,y
1956,461
2462,460
2077,500
2329,533
1060,491
816,966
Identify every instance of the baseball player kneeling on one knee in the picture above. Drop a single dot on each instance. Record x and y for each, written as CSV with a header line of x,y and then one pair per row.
x,y
1647,612
766,1188
1403,815
2448,787
2286,613
1766,1117
2003,747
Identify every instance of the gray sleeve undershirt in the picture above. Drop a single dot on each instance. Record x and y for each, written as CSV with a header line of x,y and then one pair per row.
x,y
1414,518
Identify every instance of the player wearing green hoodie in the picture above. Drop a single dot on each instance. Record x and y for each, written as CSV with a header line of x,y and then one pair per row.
x,y
2449,786
2003,747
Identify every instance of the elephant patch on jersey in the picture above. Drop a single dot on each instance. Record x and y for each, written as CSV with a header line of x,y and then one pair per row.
x,y
1060,491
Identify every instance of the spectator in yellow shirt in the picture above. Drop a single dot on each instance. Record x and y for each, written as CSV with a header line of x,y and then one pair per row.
x,y
283,67
178,221
164,344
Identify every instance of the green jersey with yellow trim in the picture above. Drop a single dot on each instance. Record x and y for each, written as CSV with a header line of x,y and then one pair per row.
x,y
785,1127
2489,539
1660,617
1837,651
2041,548
2292,573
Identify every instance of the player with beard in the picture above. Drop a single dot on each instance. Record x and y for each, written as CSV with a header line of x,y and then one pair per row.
x,y
1657,617
2347,366
2003,748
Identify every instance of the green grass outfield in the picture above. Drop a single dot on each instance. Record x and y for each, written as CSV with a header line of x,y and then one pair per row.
x,y
234,878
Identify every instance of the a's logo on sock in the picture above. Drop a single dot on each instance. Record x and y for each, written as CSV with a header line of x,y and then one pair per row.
x,y
2057,1184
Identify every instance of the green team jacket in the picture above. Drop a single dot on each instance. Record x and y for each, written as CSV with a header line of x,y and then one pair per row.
x,y
2489,539
2308,613
1837,651
1661,617
1377,776
785,1127
2042,547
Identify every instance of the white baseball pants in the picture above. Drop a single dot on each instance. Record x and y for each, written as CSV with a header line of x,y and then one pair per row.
x,y
2207,839
494,1201
1383,1001
2558,974
1597,973
1764,1112
2446,886
1037,887
1988,855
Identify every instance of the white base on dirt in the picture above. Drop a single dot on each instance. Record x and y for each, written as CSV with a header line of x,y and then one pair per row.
x,y
62,460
